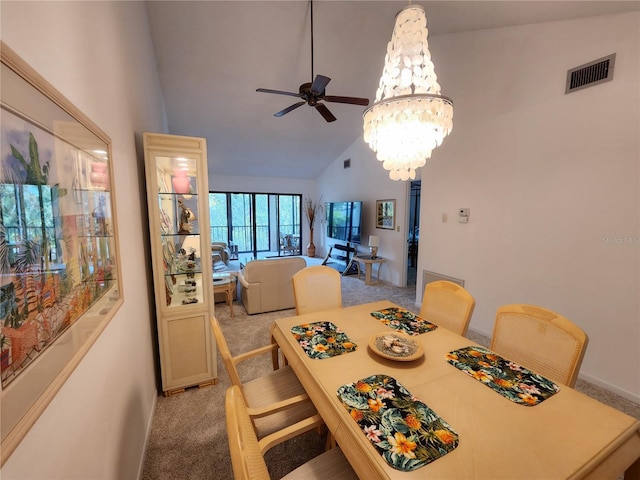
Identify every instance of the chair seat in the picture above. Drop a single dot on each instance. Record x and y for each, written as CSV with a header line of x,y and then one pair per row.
x,y
330,465
273,387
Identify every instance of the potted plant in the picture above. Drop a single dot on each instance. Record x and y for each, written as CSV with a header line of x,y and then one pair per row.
x,y
311,210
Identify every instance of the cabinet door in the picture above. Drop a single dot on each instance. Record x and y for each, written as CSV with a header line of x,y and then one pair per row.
x,y
181,238
187,345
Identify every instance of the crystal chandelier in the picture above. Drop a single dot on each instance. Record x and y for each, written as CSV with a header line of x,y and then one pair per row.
x,y
409,117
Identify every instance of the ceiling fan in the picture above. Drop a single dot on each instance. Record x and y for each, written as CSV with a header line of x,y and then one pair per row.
x,y
313,93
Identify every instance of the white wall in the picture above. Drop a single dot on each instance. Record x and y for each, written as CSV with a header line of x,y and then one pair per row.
x,y
552,181
99,55
367,181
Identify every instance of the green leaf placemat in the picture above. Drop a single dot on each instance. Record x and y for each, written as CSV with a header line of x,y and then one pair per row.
x,y
505,377
405,431
322,340
403,320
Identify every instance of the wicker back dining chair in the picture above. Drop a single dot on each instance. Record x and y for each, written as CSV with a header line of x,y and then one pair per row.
x,y
540,340
247,452
317,288
448,305
276,399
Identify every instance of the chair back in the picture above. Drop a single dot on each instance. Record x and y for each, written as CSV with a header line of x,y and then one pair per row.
x,y
246,457
541,340
225,353
448,305
317,288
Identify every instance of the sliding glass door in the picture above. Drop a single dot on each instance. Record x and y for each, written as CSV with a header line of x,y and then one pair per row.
x,y
257,223
289,224
249,222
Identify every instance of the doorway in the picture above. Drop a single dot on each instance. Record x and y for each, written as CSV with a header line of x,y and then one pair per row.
x,y
413,233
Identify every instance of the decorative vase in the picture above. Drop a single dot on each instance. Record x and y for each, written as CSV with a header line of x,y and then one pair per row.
x,y
180,181
98,176
311,248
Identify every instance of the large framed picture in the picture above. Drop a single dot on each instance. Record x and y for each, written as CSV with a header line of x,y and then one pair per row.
x,y
386,214
59,265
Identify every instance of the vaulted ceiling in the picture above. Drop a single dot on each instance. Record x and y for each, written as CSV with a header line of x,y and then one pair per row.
x,y
213,55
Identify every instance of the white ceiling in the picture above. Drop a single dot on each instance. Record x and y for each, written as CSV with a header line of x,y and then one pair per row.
x,y
212,55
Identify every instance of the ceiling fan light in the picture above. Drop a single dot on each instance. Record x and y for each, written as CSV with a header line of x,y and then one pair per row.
x,y
409,118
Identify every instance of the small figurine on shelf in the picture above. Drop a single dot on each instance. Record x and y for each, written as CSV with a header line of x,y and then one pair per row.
x,y
186,217
98,214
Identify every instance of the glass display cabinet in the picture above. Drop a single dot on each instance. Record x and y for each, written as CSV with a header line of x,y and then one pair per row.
x,y
177,194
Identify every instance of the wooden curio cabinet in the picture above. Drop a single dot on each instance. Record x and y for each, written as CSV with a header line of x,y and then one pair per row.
x,y
177,195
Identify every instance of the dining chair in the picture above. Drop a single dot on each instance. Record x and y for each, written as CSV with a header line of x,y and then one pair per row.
x,y
276,399
247,452
448,305
317,288
540,340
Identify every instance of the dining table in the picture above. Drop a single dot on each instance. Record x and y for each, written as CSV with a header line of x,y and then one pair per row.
x,y
430,415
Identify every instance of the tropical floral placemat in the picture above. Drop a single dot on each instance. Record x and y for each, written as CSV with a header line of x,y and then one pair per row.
x,y
403,320
405,431
505,377
322,340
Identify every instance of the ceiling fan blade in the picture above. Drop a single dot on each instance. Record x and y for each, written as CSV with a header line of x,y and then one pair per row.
x,y
324,111
350,100
288,109
319,84
277,92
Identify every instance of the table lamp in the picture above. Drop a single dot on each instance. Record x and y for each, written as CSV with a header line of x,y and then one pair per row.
x,y
374,243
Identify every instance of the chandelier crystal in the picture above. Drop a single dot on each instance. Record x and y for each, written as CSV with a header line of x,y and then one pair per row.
x,y
409,117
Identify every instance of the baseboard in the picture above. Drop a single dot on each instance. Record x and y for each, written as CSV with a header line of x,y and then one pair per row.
x,y
486,335
147,437
611,388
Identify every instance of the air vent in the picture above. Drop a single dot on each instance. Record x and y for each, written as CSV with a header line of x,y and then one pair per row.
x,y
428,277
591,73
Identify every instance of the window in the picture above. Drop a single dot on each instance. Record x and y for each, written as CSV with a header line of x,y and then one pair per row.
x,y
218,212
250,222
26,212
255,222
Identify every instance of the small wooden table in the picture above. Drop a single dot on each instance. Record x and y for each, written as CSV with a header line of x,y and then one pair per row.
x,y
369,261
224,282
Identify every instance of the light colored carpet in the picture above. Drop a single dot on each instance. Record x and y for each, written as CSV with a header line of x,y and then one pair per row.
x,y
188,438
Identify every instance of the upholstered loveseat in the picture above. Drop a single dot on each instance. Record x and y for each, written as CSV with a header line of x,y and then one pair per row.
x,y
266,284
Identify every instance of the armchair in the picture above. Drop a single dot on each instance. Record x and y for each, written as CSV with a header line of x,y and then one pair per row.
x,y
222,250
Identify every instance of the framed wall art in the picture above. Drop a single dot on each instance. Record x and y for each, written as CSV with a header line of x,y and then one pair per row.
x,y
386,214
59,265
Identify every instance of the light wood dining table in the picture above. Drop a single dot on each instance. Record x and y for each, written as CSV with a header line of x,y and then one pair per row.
x,y
568,435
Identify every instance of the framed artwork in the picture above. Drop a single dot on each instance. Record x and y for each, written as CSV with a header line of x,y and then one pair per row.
x,y
59,265
386,214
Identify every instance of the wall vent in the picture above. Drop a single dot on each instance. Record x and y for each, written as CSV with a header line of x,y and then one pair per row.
x,y
428,277
347,163
590,74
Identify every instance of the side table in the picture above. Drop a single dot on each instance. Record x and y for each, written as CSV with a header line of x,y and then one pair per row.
x,y
368,262
225,283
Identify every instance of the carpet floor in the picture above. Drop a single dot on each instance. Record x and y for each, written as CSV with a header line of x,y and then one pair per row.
x,y
188,438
